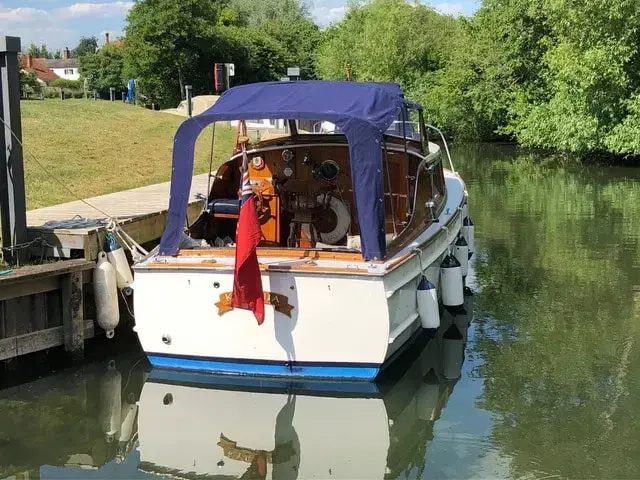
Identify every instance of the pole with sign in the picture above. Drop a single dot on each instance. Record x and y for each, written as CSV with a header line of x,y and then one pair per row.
x,y
293,73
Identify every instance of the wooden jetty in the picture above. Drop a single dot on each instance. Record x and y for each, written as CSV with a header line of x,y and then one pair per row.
x,y
142,213
42,306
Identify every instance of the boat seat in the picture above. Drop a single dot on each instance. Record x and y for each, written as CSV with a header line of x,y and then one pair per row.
x,y
224,207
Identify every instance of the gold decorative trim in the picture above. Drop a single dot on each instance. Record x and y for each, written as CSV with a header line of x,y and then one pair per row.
x,y
280,303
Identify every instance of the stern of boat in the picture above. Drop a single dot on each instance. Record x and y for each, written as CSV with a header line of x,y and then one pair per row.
x,y
319,325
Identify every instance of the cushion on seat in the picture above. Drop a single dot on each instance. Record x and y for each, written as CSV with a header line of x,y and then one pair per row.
x,y
230,206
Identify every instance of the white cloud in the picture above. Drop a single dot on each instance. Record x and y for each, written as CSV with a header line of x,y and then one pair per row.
x,y
324,16
60,27
94,9
325,12
21,15
446,8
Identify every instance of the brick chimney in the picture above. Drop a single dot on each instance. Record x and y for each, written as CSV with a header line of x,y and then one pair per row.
x,y
106,38
28,62
67,53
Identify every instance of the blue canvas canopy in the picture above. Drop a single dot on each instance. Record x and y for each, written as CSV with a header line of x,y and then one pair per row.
x,y
361,111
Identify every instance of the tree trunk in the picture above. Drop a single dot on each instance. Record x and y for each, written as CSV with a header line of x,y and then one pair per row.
x,y
181,80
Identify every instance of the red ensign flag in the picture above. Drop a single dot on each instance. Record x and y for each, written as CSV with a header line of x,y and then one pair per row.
x,y
247,283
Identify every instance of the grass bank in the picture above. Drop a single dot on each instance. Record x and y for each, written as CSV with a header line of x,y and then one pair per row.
x,y
102,147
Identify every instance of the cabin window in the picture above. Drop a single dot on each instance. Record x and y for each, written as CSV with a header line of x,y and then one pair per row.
x,y
404,129
426,201
407,125
321,127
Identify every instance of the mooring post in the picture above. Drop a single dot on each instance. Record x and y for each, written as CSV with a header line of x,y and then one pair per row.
x,y
188,92
13,209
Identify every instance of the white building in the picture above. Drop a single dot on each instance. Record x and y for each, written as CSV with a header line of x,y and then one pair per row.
x,y
67,67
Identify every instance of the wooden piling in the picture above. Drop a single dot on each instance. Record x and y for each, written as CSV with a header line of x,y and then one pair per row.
x,y
73,314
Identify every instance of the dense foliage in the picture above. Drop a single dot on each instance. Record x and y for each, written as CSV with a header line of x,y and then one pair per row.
x,y
172,44
556,74
104,69
68,84
86,46
29,84
43,52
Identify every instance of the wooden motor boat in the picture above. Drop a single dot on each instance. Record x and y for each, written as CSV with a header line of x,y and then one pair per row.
x,y
363,235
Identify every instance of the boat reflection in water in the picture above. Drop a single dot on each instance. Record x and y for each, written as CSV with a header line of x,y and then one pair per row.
x,y
191,425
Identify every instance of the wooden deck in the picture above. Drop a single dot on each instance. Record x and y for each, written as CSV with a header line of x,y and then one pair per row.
x,y
141,211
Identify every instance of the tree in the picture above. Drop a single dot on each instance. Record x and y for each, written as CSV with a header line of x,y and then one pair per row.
x,y
547,73
171,43
257,57
287,24
29,83
104,69
254,14
39,52
86,46
389,40
588,74
299,38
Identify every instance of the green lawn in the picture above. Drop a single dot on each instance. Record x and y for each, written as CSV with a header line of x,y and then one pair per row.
x,y
102,147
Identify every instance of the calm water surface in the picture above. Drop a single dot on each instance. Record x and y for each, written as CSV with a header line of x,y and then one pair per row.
x,y
544,382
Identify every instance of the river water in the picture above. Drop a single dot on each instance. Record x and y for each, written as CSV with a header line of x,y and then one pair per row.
x,y
539,376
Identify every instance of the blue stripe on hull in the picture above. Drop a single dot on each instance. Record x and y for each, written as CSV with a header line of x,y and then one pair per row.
x,y
298,386
364,372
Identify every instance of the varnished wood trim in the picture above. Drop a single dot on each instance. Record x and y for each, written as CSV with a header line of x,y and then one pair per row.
x,y
267,268
234,216
275,253
401,260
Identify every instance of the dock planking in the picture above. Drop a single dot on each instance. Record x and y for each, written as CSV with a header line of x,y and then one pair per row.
x,y
142,213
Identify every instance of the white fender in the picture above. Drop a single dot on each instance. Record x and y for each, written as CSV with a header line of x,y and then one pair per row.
x,y
469,236
461,252
106,295
451,282
428,310
117,258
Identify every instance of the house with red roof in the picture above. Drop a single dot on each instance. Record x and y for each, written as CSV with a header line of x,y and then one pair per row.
x,y
39,68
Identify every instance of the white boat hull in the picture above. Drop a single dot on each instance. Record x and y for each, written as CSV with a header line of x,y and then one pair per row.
x,y
340,326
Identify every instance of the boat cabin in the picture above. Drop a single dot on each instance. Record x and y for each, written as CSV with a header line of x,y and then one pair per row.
x,y
304,183
303,187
